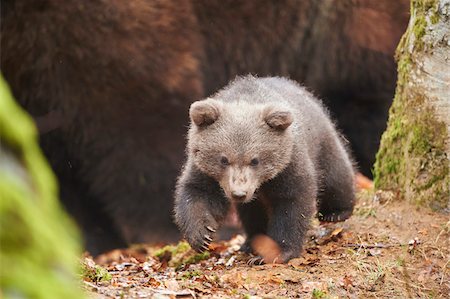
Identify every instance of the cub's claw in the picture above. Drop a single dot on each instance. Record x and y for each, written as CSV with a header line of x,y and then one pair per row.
x,y
206,242
207,237
204,248
335,216
257,260
210,229
200,236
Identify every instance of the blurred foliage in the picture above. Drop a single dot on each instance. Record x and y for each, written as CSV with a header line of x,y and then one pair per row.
x,y
39,244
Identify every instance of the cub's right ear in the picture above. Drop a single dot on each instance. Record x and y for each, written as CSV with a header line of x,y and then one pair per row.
x,y
206,112
277,118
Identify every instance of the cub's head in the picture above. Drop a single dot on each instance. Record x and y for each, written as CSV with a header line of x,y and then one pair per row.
x,y
241,145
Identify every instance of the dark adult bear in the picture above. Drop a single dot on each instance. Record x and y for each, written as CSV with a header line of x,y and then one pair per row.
x,y
117,77
111,82
267,145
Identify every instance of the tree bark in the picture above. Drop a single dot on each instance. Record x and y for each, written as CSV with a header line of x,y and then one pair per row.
x,y
415,149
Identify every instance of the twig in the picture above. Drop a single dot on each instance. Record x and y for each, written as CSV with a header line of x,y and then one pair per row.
x,y
181,293
367,246
443,272
438,236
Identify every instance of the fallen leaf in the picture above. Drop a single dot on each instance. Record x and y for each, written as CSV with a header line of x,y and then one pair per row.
x,y
217,247
291,276
374,252
234,279
200,288
275,279
153,282
172,285
310,260
347,282
423,232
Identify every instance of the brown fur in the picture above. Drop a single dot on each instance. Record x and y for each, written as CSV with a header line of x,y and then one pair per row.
x,y
342,50
116,71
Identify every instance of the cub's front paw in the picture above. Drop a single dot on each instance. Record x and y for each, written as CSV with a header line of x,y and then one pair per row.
x,y
201,238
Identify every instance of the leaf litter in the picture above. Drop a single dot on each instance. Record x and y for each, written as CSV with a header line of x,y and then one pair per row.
x,y
387,249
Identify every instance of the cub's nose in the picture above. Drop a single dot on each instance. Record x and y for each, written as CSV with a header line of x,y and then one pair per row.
x,y
239,195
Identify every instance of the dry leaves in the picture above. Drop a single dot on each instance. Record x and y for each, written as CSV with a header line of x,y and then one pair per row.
x,y
363,257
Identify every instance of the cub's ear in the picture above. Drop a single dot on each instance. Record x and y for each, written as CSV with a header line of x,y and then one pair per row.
x,y
206,112
277,118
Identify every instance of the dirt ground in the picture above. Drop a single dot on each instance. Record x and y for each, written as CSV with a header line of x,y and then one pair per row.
x,y
387,249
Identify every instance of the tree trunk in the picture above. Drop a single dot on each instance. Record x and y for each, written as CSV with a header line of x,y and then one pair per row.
x,y
415,149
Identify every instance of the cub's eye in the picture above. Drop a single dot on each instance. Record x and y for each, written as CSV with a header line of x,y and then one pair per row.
x,y
224,161
254,162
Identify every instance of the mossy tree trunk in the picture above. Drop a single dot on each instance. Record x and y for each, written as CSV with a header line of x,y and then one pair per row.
x,y
415,149
39,245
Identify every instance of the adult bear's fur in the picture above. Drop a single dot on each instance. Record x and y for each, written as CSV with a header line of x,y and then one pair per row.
x,y
120,75
342,50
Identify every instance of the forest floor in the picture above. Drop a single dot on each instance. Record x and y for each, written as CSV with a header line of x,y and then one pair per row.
x,y
387,249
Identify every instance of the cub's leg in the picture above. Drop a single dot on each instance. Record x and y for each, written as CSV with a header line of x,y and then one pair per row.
x,y
200,206
254,220
337,196
291,196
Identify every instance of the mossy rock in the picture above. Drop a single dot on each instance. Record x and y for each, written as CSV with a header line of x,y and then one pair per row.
x,y
39,244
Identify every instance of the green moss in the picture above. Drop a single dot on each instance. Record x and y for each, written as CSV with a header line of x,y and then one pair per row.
x,y
388,159
419,30
181,255
433,180
181,247
193,259
434,18
318,294
420,143
428,7
95,273
423,5
192,274
423,12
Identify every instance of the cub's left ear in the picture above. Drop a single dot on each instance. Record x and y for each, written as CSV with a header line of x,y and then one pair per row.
x,y
277,118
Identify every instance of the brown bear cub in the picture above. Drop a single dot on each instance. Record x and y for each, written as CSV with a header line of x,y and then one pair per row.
x,y
267,145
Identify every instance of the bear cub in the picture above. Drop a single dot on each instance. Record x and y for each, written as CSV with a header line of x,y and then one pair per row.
x,y
268,146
